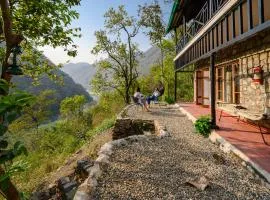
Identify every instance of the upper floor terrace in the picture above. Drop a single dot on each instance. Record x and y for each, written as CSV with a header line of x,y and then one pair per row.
x,y
206,26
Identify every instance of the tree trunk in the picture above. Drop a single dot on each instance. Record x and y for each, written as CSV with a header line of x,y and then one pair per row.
x,y
11,193
11,39
162,67
127,98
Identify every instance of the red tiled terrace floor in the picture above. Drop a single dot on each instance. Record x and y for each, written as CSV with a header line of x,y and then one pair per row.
x,y
242,135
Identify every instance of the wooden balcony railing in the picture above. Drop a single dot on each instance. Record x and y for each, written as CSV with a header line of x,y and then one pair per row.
x,y
210,8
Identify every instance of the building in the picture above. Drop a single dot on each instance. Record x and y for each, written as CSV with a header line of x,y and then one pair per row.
x,y
226,44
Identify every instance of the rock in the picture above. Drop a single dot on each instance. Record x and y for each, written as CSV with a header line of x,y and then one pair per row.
x,y
52,189
63,180
103,159
69,195
40,195
164,133
81,195
119,142
106,149
69,186
83,167
95,171
200,183
85,190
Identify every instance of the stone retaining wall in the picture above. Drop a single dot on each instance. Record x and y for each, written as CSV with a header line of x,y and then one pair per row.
x,y
125,132
126,127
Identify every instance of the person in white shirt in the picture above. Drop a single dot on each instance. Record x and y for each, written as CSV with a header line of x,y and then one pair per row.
x,y
154,96
141,100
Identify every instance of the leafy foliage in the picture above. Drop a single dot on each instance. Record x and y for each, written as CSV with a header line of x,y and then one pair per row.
x,y
148,83
11,106
35,114
169,100
203,125
152,20
119,72
49,148
72,106
61,91
109,105
106,124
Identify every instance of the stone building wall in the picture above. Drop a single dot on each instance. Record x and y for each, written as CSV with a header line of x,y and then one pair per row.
x,y
249,53
253,95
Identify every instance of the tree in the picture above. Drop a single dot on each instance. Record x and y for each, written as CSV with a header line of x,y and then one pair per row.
x,y
35,114
19,19
151,19
154,77
119,71
11,106
40,23
72,106
76,118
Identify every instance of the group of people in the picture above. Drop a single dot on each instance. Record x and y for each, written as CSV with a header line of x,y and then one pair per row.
x,y
145,102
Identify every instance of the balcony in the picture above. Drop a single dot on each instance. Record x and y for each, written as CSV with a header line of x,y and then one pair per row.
x,y
219,25
209,9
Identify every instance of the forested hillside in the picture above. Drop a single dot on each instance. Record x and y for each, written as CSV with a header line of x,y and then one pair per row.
x,y
82,73
68,88
32,148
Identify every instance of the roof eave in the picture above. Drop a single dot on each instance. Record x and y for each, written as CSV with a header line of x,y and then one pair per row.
x,y
173,12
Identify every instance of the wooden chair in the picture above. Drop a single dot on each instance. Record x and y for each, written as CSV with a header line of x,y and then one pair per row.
x,y
136,102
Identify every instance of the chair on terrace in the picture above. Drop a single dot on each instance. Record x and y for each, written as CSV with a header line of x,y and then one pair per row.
x,y
239,111
136,102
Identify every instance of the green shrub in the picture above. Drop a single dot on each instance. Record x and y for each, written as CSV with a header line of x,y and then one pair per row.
x,y
106,124
169,100
203,126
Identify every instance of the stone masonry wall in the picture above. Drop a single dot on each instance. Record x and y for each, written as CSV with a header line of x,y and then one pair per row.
x,y
250,53
253,95
126,127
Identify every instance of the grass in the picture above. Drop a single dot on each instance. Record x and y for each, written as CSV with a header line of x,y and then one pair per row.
x,y
52,145
53,150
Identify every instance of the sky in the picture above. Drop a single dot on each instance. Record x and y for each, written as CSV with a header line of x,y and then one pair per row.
x,y
91,19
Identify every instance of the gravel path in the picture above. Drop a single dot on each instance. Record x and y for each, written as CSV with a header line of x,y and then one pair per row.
x,y
159,168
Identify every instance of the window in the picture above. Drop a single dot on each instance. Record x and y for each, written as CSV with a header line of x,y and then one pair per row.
x,y
236,83
228,83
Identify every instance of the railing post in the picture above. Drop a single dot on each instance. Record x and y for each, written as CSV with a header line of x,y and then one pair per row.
x,y
185,29
210,8
176,39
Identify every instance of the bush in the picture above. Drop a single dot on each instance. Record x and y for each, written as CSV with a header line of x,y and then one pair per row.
x,y
106,124
203,126
169,100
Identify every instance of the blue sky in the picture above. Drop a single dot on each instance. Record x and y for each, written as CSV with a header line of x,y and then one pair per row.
x,y
91,19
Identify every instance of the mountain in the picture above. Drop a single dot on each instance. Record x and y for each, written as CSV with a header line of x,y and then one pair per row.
x,y
82,73
149,57
69,88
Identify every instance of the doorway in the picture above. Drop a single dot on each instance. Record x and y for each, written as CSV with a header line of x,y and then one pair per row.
x,y
203,88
